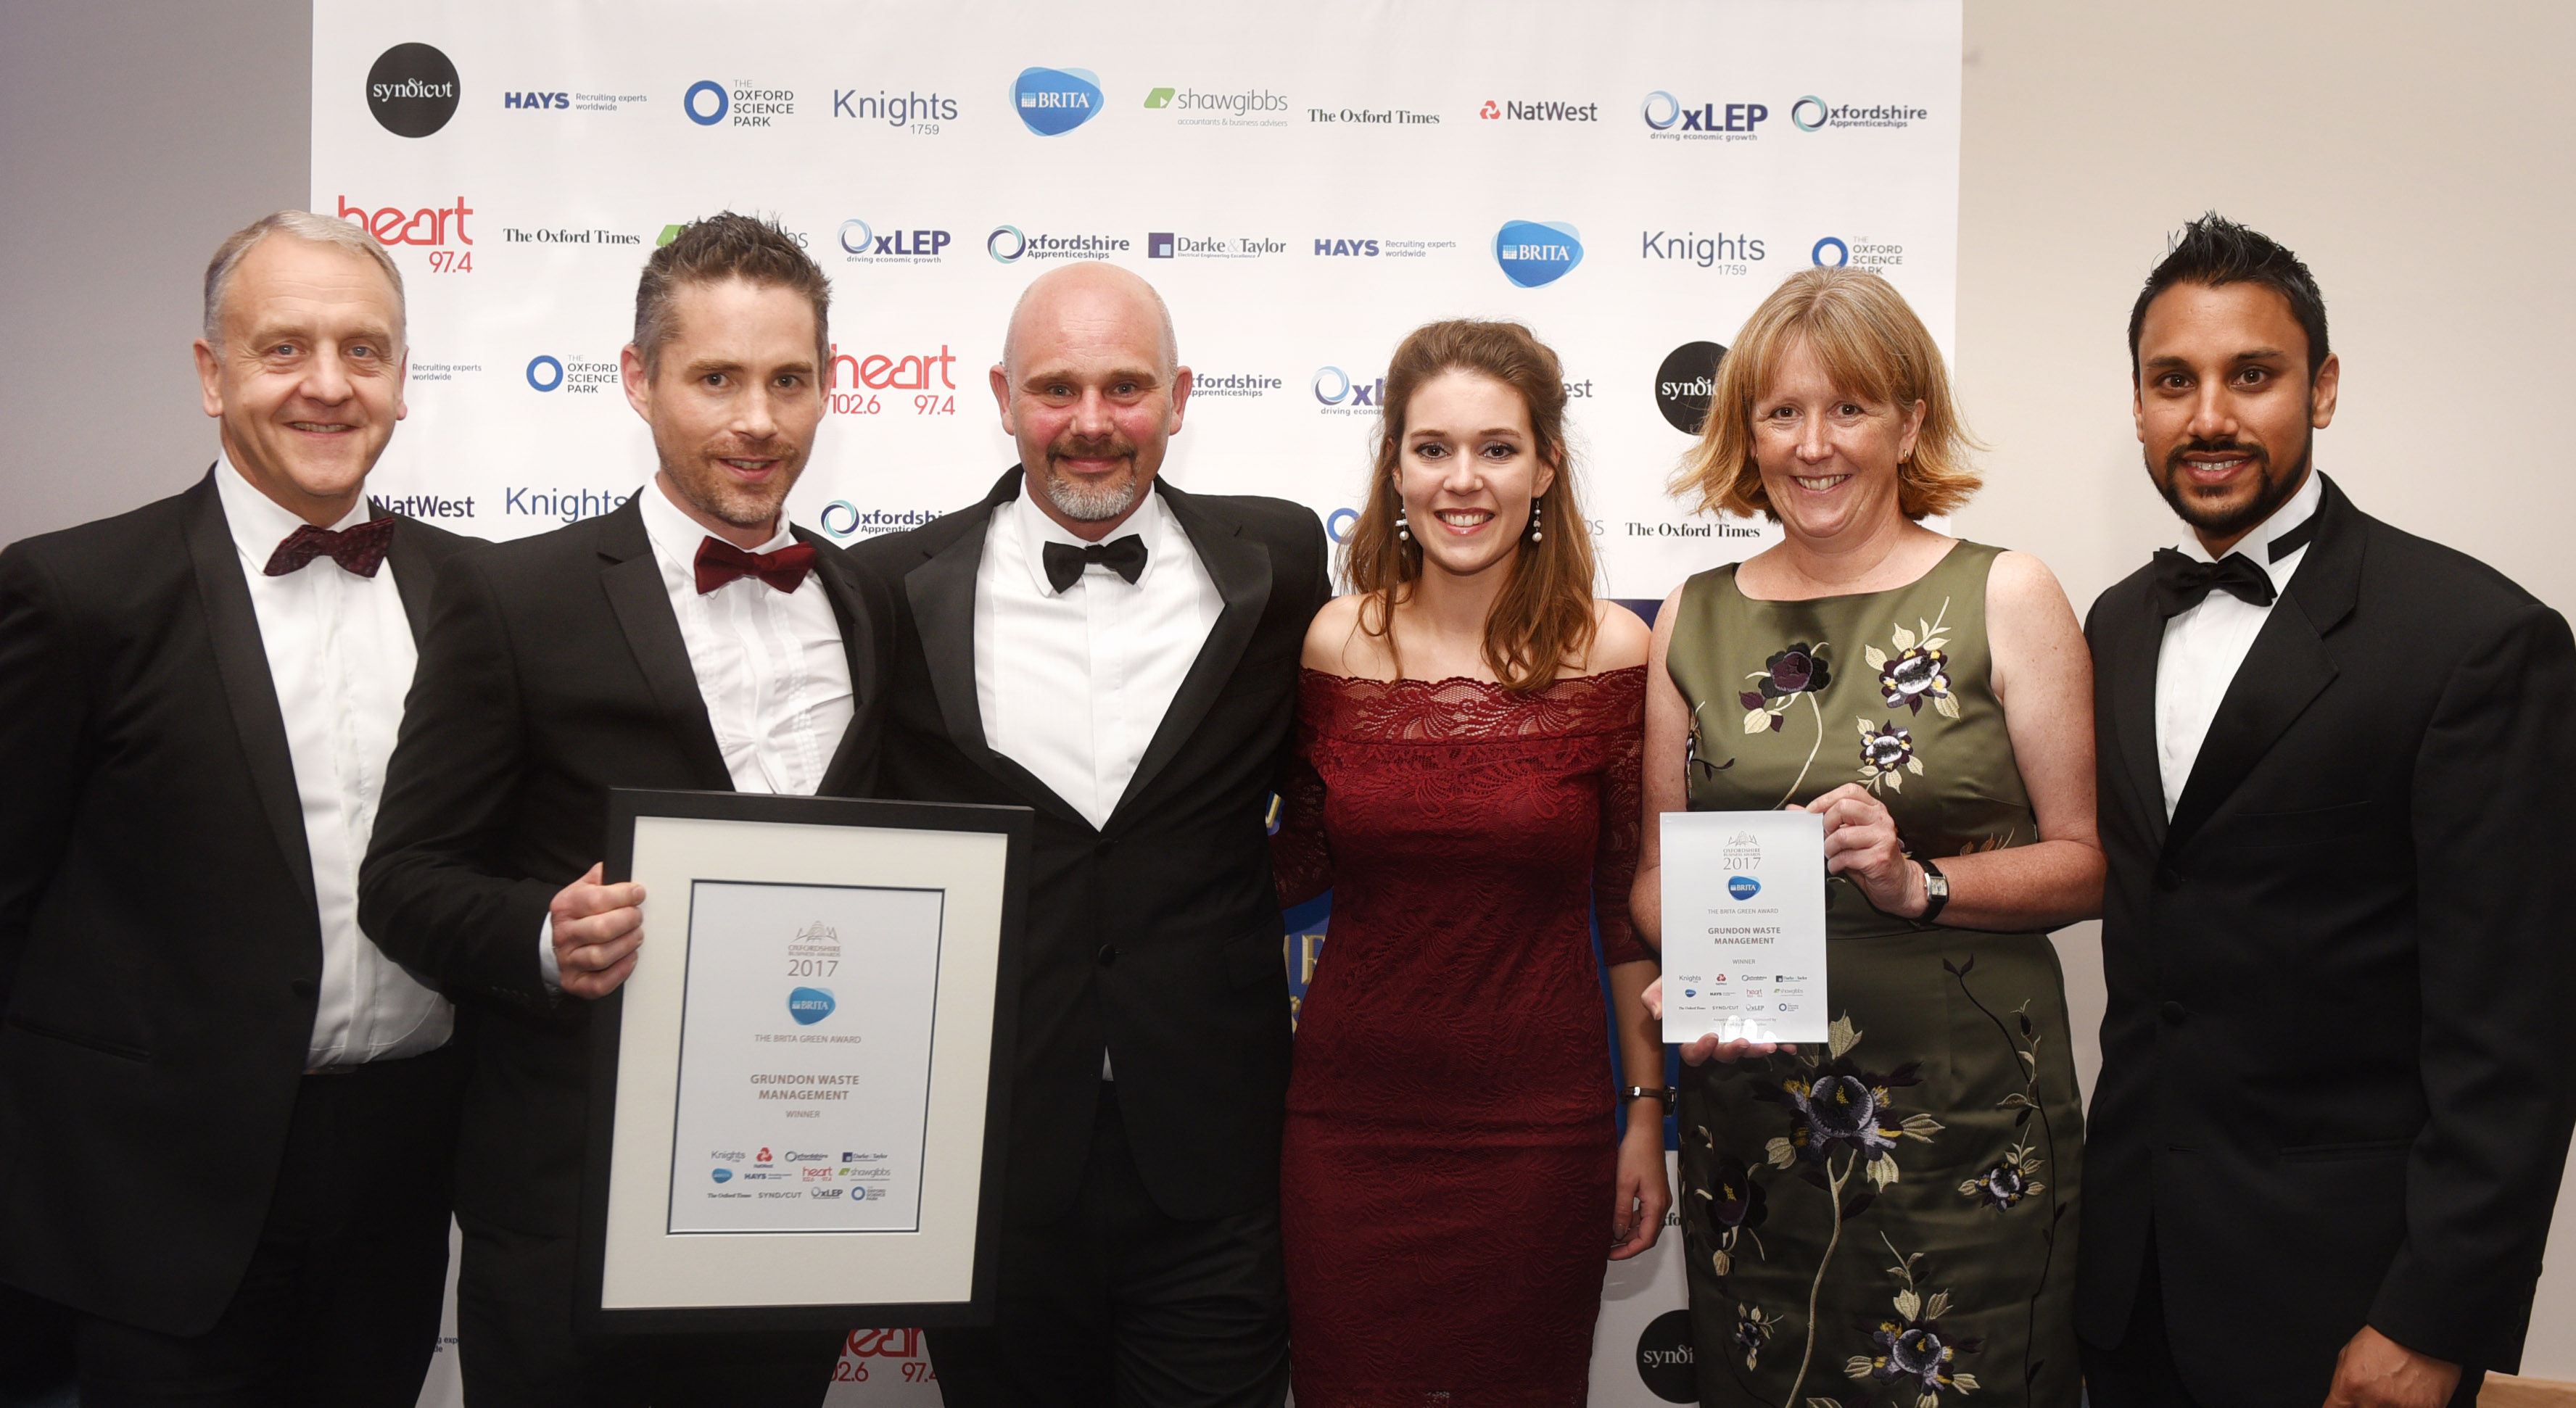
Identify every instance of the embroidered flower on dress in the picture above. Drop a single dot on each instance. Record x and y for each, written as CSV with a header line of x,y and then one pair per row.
x,y
1753,1330
2007,1182
1800,669
1919,670
1912,1351
1886,754
1735,1206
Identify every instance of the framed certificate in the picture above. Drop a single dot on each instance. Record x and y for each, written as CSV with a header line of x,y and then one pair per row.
x,y
1744,926
798,1097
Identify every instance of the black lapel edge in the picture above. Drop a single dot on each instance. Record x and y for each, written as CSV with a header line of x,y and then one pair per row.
x,y
2135,653
632,581
414,576
858,642
1241,569
241,662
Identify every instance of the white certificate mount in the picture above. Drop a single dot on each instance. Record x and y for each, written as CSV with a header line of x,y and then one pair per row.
x,y
1744,926
798,1099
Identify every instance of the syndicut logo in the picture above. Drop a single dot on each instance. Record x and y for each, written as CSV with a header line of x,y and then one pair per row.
x,y
1165,244
1338,393
1197,107
740,104
1685,382
412,90
1054,101
1009,244
1666,1362
862,243
429,225
1670,118
1814,114
920,112
1859,252
1534,253
1539,110
570,374
1725,253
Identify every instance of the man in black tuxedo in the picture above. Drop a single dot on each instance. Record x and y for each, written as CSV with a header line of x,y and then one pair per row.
x,y
2334,1104
689,639
1122,656
226,1116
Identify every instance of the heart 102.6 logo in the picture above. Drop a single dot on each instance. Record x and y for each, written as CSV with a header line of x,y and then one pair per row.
x,y
1743,887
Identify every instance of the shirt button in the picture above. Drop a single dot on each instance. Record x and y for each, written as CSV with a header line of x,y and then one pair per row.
x,y
1108,954
2174,1013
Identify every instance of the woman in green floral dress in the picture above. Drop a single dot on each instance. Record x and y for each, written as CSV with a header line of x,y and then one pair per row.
x,y
1890,1218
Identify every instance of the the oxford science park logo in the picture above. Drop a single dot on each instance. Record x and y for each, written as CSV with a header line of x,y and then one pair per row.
x,y
412,90
1534,253
809,1005
709,103
1054,101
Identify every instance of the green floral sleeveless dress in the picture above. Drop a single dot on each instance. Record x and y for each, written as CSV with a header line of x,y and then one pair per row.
x,y
1890,1220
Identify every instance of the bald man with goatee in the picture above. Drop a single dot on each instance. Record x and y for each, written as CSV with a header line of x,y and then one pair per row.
x,y
1093,642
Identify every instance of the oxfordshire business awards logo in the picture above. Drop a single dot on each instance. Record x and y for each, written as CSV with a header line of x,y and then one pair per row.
x,y
1054,101
1535,253
412,90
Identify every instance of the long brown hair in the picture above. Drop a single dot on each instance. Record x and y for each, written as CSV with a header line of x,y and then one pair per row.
x,y
1543,617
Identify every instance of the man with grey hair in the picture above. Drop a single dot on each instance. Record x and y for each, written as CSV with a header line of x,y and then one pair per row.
x,y
1120,655
226,1117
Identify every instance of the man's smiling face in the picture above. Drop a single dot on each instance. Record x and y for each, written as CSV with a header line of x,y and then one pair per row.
x,y
733,397
2226,409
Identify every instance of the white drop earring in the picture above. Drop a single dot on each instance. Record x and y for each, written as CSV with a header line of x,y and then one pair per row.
x,y
1535,507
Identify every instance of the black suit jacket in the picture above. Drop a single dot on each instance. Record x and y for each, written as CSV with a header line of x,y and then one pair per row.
x,y
2336,1063
553,670
160,953
1157,936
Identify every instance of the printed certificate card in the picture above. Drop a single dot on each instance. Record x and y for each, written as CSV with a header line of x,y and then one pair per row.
x,y
804,1058
1744,926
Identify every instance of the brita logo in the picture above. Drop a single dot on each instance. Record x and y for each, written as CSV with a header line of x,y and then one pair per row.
x,y
1534,253
723,1174
1743,887
809,1005
1054,101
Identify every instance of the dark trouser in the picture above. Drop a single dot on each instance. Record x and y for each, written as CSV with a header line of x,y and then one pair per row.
x,y
1117,1304
2140,1373
339,1308
514,1300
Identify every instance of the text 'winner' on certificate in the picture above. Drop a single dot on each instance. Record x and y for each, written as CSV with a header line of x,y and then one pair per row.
x,y
804,1058
1744,926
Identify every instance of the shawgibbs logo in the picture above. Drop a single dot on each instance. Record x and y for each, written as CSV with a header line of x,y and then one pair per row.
x,y
709,103
1814,114
412,90
1535,253
1684,383
1054,101
1669,117
1010,244
862,244
1163,244
1253,107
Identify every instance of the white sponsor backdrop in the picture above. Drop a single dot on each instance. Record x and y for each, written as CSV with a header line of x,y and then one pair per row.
x,y
1303,185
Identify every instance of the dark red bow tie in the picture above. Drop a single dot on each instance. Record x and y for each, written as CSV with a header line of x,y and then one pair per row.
x,y
360,547
720,562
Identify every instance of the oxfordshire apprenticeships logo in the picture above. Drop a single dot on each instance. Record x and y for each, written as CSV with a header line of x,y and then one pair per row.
x,y
1814,114
1054,101
1535,253
412,90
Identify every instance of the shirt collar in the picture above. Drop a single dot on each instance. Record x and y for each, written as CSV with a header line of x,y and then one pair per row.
x,y
259,523
675,535
1151,521
2256,545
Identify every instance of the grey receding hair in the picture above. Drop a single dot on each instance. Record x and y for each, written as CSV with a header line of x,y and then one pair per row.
x,y
1171,348
304,225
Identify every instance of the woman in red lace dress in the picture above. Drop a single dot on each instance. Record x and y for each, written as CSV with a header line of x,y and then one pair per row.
x,y
1454,1183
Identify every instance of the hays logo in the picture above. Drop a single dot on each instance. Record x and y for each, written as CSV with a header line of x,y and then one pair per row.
x,y
1054,101
1534,253
541,102
809,1005
1337,393
863,245
1743,887
428,226
723,1174
1668,116
412,90
1347,249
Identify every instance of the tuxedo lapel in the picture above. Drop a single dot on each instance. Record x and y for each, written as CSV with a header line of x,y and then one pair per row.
x,y
2135,640
1240,567
858,641
2287,668
250,692
632,580
412,576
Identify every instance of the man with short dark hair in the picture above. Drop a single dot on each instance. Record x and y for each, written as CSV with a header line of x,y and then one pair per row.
x,y
690,639
2334,1106
226,1114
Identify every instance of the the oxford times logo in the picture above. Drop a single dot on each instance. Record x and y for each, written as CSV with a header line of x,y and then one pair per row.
x,y
412,90
1168,244
1009,244
577,376
739,104
1859,252
1670,119
1054,101
1535,253
863,243
1814,114
1197,107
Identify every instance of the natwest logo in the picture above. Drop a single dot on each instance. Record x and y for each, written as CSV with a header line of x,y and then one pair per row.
x,y
428,226
1670,117
1054,101
1534,253
1514,110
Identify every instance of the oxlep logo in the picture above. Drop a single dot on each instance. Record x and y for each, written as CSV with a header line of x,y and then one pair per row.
x,y
1743,887
1534,252
809,1005
1054,101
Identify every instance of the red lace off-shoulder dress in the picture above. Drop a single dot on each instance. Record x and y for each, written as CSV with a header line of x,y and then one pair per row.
x,y
1446,1186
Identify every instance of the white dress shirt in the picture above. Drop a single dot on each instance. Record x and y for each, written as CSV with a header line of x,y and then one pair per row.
x,y
2204,646
1072,686
340,655
770,666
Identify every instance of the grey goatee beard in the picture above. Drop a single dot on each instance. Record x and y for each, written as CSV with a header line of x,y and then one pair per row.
x,y
1085,504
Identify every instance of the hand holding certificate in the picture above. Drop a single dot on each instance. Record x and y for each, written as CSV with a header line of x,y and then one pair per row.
x,y
1744,926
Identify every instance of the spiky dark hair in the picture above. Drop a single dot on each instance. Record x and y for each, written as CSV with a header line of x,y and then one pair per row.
x,y
2215,250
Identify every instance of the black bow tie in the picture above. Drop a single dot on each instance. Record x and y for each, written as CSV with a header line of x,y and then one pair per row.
x,y
1064,561
2182,584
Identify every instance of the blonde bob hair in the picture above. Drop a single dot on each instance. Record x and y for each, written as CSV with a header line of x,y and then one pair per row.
x,y
1873,347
